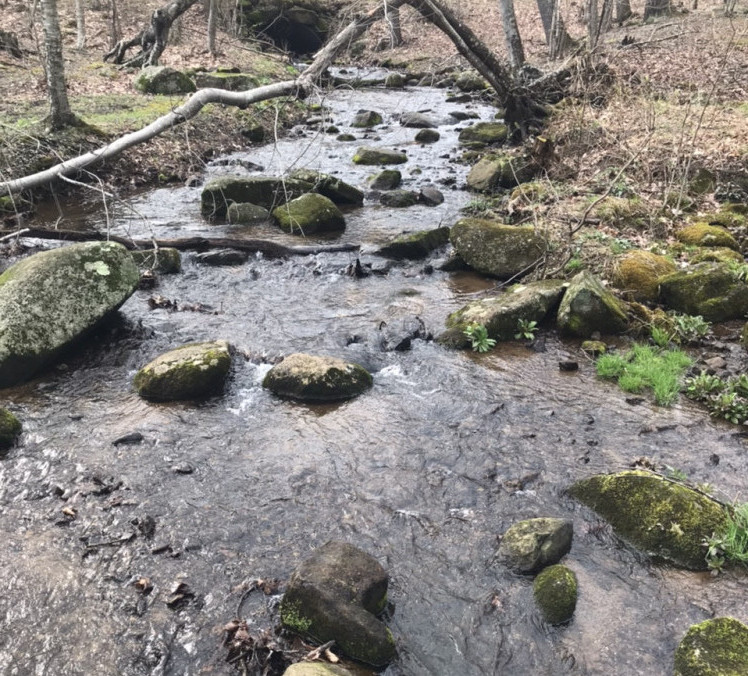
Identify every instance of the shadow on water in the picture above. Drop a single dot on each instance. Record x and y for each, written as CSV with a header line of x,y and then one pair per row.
x,y
425,471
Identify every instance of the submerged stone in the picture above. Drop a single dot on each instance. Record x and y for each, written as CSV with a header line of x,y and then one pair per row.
x,y
335,595
333,188
312,378
389,179
533,544
53,298
265,191
188,372
10,429
415,245
309,214
717,647
555,592
246,213
417,121
399,199
662,518
587,307
367,155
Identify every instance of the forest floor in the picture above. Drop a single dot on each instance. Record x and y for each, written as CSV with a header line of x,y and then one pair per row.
x,y
665,99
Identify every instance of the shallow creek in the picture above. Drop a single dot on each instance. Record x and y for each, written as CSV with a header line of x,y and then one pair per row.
x,y
424,471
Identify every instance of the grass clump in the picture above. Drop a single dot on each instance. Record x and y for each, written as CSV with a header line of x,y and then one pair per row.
x,y
645,367
731,544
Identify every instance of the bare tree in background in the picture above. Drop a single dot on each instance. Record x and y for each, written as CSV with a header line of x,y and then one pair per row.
x,y
656,8
114,27
60,114
598,20
392,17
511,35
623,11
80,24
212,26
556,36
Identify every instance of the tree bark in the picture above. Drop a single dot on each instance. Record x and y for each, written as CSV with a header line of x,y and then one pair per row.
x,y
212,25
60,114
392,16
556,36
511,35
656,8
623,11
80,24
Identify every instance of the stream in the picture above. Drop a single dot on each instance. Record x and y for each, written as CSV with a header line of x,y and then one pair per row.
x,y
425,471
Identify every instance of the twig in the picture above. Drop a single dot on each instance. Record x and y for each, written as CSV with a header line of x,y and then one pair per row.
x,y
316,654
18,233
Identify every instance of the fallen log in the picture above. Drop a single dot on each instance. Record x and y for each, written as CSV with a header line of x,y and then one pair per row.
x,y
266,247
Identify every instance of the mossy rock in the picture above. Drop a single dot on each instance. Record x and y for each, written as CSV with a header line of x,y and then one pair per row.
x,y
469,81
496,249
335,595
333,188
717,254
389,179
483,134
53,298
163,80
311,378
367,155
588,307
188,372
593,347
501,314
532,544
637,274
623,211
233,82
555,592
427,136
10,429
309,214
505,171
702,182
707,289
346,138
166,260
415,245
246,213
662,518
533,192
399,199
265,191
717,647
729,216
394,81
703,234
417,121
365,119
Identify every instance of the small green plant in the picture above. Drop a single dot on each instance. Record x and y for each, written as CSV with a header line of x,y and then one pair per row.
x,y
731,544
725,398
738,270
689,328
675,473
646,367
574,264
477,206
526,329
660,336
703,386
478,335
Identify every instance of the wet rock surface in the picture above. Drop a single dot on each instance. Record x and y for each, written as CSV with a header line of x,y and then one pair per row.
x,y
533,544
555,592
588,307
717,647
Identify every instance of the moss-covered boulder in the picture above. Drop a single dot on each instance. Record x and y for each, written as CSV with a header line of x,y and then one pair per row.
x,y
555,592
703,234
587,307
233,82
163,80
717,254
389,179
188,372
51,299
427,136
531,545
501,314
311,378
484,133
394,81
717,647
637,274
309,214
316,669
415,245
335,595
662,518
702,182
333,188
470,81
505,171
399,199
246,213
707,289
365,119
493,248
367,155
10,429
265,191
165,260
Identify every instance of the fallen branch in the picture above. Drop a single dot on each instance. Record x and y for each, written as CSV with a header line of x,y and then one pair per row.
x,y
271,249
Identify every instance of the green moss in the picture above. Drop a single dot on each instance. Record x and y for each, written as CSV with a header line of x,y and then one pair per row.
x,y
717,647
621,211
637,274
309,214
555,592
703,234
10,428
717,254
293,619
417,244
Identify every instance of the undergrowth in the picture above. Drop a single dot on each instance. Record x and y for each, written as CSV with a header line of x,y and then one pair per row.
x,y
731,544
725,398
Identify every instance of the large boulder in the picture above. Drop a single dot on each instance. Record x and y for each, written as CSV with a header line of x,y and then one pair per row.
x,y
51,299
501,314
265,191
335,595
415,245
703,234
662,518
496,249
367,155
309,214
531,545
717,647
310,378
503,171
555,592
587,307
163,80
637,274
333,188
188,372
484,133
10,429
707,289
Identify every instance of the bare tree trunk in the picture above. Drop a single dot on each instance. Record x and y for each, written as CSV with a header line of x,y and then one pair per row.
x,y
60,114
212,25
599,21
114,28
511,35
392,16
80,23
556,36
592,23
623,11
656,8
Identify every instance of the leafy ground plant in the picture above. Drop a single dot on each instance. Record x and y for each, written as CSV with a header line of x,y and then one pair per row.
x,y
526,329
646,367
478,335
731,544
725,398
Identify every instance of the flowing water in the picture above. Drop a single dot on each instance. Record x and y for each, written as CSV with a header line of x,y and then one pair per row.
x,y
424,471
